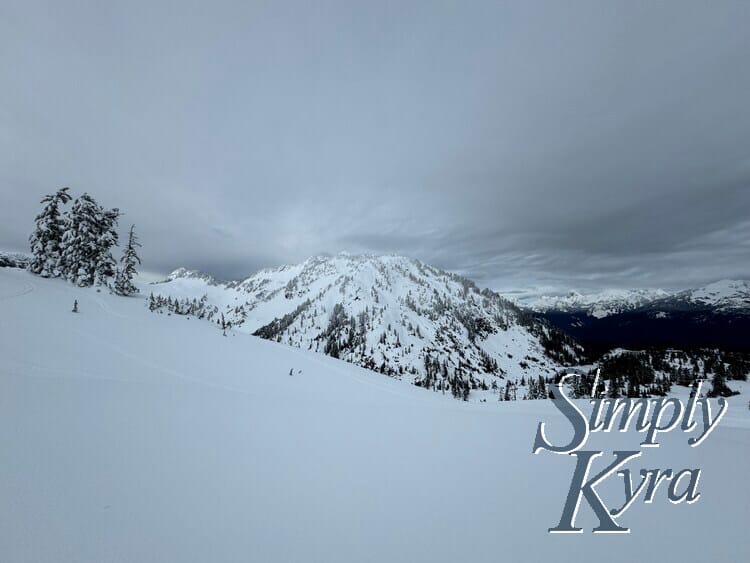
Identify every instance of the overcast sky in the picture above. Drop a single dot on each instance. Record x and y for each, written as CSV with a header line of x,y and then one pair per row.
x,y
554,144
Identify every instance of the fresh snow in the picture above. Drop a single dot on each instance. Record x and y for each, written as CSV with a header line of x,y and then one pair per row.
x,y
134,437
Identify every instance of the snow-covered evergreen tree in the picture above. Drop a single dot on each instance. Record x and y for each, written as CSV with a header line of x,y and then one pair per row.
x,y
106,266
47,236
124,278
81,247
718,383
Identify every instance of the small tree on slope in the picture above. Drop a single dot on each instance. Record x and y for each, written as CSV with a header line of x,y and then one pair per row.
x,y
47,238
124,278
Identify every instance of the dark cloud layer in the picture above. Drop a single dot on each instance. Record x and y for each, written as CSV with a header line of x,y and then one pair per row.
x,y
575,144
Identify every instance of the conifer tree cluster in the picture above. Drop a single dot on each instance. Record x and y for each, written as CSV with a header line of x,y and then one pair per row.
x,y
199,308
441,377
77,244
537,389
641,374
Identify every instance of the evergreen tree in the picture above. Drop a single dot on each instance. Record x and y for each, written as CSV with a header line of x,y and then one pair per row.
x,y
531,391
80,243
507,395
105,264
86,257
47,237
123,284
719,387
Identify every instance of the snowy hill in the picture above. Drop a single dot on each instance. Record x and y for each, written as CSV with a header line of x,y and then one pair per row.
x,y
128,436
387,313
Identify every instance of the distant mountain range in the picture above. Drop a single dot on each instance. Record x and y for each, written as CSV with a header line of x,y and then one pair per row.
x,y
725,295
717,315
599,304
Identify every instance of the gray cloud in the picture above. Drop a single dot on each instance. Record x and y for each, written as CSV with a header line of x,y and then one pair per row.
x,y
553,144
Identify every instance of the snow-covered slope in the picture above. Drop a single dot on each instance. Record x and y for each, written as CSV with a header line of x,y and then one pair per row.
x,y
388,313
598,304
127,436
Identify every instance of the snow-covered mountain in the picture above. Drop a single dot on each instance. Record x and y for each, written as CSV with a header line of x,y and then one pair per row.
x,y
185,274
723,295
598,304
128,436
391,314
714,316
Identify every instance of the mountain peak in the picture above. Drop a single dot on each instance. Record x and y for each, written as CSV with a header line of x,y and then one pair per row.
x,y
388,313
186,274
725,294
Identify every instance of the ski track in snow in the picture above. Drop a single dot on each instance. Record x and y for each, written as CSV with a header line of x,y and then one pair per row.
x,y
28,369
154,365
28,288
107,309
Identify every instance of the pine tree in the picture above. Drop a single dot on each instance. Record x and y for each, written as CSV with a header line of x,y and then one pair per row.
x,y
80,243
47,238
719,386
123,284
105,264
